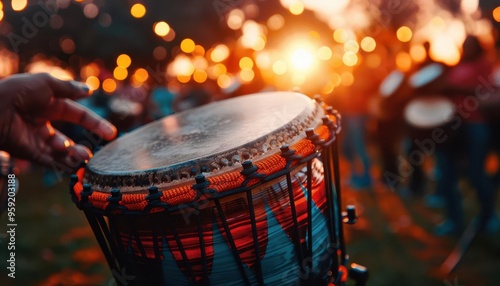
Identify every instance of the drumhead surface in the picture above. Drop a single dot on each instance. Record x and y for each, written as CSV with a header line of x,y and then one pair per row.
x,y
211,137
429,112
426,75
391,83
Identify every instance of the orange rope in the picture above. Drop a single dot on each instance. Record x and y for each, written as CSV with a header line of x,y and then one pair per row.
x,y
220,183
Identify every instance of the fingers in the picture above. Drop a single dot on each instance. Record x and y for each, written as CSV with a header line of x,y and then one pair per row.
x,y
70,111
66,89
59,148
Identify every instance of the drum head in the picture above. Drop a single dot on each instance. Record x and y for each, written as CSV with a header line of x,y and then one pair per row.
x,y
429,112
215,137
426,75
391,83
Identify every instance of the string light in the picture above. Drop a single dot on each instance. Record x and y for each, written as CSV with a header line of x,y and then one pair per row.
x,y
161,28
138,10
404,34
19,5
123,61
109,85
187,45
120,73
92,82
368,44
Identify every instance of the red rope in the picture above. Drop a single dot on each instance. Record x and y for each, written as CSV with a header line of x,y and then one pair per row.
x,y
220,183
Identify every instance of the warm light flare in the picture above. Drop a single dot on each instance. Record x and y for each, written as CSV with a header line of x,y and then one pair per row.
x,y
120,73
138,10
404,34
161,28
93,83
246,63
324,53
418,53
235,19
403,61
350,58
368,44
302,59
279,67
19,5
141,75
187,45
296,8
219,53
496,14
123,61
109,85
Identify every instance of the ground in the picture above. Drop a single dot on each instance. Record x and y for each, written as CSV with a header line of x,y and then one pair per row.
x,y
393,238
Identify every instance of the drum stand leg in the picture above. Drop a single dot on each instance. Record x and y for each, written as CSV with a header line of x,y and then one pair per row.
x,y
359,274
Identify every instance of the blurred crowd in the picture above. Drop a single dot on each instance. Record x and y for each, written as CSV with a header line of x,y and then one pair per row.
x,y
417,117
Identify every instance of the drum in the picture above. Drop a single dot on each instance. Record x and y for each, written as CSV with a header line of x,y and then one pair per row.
x,y
236,192
426,113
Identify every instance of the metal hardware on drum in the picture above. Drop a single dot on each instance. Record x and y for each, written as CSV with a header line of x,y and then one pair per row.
x,y
223,194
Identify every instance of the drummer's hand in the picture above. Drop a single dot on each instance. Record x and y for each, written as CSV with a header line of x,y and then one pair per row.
x,y
28,102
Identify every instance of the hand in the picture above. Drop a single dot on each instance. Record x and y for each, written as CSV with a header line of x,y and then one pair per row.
x,y
28,102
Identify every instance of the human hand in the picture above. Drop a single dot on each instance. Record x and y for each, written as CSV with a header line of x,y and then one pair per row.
x,y
28,102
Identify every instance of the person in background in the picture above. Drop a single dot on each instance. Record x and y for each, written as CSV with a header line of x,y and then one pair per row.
x,y
473,142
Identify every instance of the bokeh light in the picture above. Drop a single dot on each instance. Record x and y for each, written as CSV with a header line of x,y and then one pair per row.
x,y
351,46
138,10
19,5
275,22
247,75
120,73
123,61
219,53
91,10
403,61
418,53
93,83
404,34
141,74
346,79
160,53
279,67
296,8
109,85
496,14
200,76
324,53
340,36
368,44
235,19
187,45
246,63
224,81
161,28
350,58
67,45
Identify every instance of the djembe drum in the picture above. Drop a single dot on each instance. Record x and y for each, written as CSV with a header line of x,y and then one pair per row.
x,y
237,192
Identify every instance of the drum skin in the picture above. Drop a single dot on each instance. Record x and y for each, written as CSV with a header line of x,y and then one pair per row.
x,y
239,195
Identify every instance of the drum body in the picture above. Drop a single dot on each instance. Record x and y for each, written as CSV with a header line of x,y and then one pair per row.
x,y
237,192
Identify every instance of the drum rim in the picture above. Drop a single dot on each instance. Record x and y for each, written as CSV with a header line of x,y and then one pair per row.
x,y
219,162
217,186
